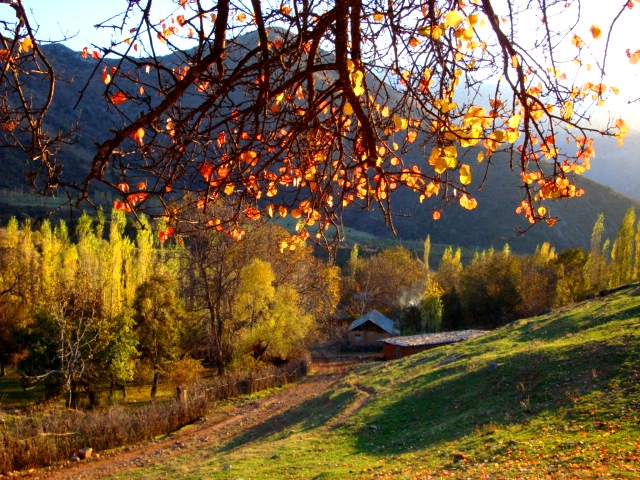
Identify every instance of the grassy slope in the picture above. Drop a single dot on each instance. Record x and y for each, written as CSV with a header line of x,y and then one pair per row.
x,y
556,396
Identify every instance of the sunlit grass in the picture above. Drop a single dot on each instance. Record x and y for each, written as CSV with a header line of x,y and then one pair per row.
x,y
556,396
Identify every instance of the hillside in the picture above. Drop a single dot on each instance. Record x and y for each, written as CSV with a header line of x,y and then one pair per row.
x,y
494,222
618,167
556,396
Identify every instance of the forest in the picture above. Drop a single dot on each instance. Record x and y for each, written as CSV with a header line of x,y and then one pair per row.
x,y
111,302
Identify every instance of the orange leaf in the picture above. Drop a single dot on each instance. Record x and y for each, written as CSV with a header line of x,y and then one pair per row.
x,y
118,98
577,41
138,136
633,57
596,32
222,138
252,213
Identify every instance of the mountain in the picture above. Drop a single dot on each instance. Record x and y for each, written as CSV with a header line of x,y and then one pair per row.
x,y
618,167
493,223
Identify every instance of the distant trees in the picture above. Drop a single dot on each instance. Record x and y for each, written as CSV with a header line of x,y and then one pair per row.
x,y
497,287
387,281
103,302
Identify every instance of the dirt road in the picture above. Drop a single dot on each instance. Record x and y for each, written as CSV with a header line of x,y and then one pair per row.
x,y
220,426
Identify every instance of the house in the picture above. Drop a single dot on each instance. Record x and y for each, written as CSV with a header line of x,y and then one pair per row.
x,y
370,328
398,347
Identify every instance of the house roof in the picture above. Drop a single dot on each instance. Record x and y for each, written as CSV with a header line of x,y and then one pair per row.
x,y
375,317
426,339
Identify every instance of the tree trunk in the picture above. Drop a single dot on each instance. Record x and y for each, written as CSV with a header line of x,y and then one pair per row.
x,y
154,386
3,371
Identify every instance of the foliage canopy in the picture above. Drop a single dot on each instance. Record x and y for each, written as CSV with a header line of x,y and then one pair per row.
x,y
303,108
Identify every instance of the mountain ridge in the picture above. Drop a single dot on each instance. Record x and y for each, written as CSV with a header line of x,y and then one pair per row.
x,y
492,224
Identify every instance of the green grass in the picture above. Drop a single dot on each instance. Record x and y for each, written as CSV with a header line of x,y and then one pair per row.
x,y
12,395
556,396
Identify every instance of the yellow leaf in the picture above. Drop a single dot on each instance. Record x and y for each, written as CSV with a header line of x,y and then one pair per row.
x,y
400,123
514,61
270,210
26,45
514,121
513,135
443,158
465,174
348,109
596,32
229,189
434,32
453,18
385,111
542,211
468,202
378,17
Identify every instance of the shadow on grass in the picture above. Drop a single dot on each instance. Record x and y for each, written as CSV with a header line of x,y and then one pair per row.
x,y
439,407
308,415
12,395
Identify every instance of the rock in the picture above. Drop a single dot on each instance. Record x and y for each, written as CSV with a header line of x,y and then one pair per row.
x,y
75,458
227,467
275,457
85,453
492,367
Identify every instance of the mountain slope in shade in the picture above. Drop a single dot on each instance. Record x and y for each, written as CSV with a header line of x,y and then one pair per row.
x,y
618,167
493,223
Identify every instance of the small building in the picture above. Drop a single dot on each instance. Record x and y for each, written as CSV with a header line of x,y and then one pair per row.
x,y
398,347
371,328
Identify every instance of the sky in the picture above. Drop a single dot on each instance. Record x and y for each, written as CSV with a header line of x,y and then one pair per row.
x,y
72,21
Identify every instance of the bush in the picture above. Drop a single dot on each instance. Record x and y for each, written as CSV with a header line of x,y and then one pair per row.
x,y
32,442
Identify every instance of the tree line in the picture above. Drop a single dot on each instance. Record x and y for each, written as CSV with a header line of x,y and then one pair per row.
x,y
495,287
109,301
112,301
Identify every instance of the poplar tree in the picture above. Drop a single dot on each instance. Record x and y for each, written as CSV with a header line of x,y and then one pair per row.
x,y
622,254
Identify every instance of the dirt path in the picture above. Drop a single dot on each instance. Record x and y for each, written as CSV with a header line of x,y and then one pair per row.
x,y
219,427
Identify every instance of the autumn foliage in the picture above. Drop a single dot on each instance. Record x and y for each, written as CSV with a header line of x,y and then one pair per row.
x,y
303,109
